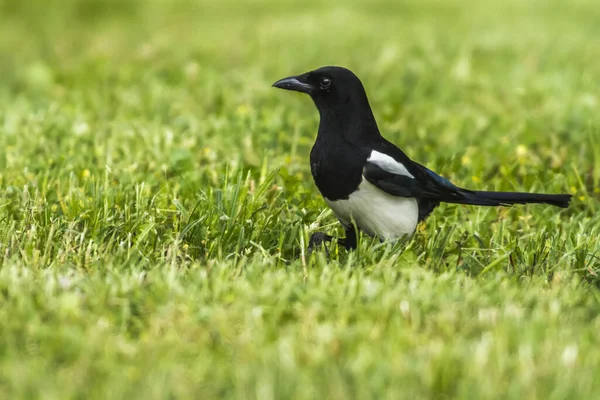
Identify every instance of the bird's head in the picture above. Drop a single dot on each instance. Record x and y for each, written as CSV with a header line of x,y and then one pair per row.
x,y
329,87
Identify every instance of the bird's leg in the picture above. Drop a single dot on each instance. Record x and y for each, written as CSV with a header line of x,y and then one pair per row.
x,y
350,241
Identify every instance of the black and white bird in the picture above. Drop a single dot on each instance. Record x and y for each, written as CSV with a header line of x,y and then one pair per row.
x,y
368,181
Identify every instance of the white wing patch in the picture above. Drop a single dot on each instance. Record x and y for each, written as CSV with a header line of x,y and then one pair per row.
x,y
387,163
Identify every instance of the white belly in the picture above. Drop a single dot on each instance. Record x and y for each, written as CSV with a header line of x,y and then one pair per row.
x,y
377,212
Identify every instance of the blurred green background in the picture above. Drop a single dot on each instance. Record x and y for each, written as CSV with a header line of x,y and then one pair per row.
x,y
156,200
191,66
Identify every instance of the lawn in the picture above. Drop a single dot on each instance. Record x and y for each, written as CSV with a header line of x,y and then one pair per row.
x,y
156,202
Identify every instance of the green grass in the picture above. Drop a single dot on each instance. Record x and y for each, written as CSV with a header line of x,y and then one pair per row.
x,y
156,202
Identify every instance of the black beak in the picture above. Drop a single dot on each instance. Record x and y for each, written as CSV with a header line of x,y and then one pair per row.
x,y
295,83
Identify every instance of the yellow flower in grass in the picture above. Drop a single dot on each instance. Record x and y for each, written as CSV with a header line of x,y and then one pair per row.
x,y
242,110
522,153
522,150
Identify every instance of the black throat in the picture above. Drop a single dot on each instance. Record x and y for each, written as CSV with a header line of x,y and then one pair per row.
x,y
344,142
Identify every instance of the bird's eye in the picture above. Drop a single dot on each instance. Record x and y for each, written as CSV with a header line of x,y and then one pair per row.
x,y
325,83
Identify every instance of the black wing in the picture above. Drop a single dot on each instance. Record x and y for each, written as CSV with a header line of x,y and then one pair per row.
x,y
394,173
398,175
422,182
407,178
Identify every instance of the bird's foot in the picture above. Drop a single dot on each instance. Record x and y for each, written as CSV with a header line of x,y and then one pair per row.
x,y
317,240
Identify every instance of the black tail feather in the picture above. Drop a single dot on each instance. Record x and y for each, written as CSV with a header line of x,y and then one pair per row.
x,y
480,198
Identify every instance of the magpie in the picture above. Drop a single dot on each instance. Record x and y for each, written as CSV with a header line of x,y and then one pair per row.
x,y
366,180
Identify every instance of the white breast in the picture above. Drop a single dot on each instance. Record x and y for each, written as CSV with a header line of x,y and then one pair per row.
x,y
377,212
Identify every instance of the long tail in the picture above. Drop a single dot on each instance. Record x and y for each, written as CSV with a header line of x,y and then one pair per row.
x,y
479,198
